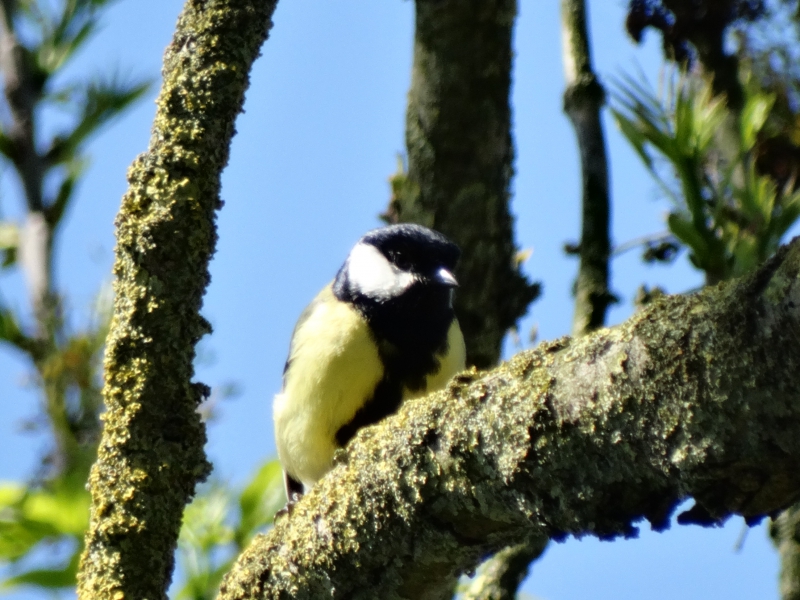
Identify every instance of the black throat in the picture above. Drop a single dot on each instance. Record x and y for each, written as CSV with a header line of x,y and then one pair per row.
x,y
409,330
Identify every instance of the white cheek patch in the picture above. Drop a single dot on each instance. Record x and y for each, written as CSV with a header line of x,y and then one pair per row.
x,y
373,275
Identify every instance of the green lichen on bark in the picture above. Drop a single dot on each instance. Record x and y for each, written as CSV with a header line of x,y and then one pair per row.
x,y
460,155
785,532
694,396
500,576
151,454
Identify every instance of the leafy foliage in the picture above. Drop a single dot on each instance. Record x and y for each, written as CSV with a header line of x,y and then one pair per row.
x,y
33,517
52,510
218,525
683,23
730,216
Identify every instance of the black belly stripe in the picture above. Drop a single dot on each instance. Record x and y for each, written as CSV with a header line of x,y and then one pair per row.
x,y
403,369
385,400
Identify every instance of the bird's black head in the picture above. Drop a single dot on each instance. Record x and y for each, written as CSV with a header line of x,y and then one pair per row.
x,y
393,261
401,278
416,249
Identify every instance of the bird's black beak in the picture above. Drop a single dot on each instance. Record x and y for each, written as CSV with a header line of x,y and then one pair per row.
x,y
445,277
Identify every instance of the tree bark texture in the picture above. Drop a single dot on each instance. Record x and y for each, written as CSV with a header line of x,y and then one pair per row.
x,y
500,576
694,396
460,154
785,532
583,98
151,453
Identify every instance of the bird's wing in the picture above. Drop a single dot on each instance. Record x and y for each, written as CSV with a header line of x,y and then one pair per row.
x,y
307,312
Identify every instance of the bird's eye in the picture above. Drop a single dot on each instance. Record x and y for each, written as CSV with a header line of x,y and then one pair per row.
x,y
402,261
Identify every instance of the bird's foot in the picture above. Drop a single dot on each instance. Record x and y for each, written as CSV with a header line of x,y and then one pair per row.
x,y
294,498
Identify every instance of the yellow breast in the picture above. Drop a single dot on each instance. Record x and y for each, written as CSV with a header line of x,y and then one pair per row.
x,y
335,367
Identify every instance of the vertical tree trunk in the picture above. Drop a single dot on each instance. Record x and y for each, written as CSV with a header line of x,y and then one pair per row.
x,y
460,164
151,454
36,235
460,153
500,576
583,99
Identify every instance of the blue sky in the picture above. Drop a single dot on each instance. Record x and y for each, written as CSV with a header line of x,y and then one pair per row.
x,y
308,175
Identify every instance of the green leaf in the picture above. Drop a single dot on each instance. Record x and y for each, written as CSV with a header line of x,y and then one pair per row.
x,y
764,194
61,31
66,510
57,206
9,235
754,114
634,136
691,178
100,102
706,113
746,255
18,538
10,494
260,500
787,215
9,242
205,523
57,47
9,328
44,578
49,578
18,534
683,229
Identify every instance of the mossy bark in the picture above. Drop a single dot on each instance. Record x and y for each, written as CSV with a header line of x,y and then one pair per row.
x,y
694,396
460,155
500,577
785,532
151,454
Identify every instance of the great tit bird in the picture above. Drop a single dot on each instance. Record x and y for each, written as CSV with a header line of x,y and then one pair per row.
x,y
382,332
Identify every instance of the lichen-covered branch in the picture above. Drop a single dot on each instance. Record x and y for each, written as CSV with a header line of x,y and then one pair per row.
x,y
694,396
500,576
583,99
460,154
151,453
785,532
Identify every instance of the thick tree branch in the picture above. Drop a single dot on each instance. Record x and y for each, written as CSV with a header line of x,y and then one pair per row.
x,y
695,396
151,453
785,532
500,576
